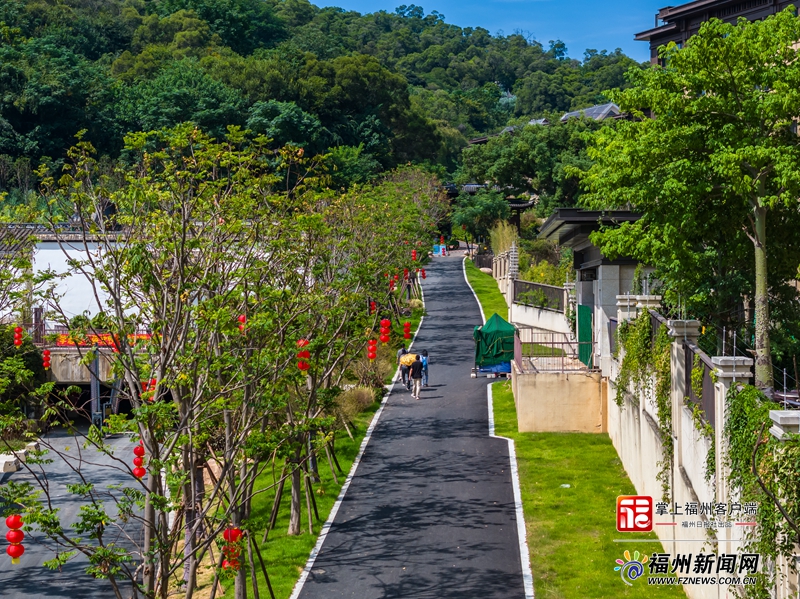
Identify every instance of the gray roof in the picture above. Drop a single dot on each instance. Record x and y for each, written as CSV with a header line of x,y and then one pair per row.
x,y
598,113
18,238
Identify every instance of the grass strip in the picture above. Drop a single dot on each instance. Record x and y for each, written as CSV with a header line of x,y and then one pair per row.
x,y
285,556
570,530
485,287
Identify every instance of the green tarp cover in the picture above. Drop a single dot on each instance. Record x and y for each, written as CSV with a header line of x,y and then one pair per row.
x,y
494,342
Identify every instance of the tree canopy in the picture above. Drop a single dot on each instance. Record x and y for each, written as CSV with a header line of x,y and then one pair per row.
x,y
404,86
715,171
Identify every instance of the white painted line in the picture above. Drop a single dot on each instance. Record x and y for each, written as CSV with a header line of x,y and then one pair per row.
x,y
298,587
464,266
524,554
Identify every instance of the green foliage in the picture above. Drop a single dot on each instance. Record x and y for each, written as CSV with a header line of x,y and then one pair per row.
x,y
713,174
181,92
777,464
478,213
645,369
534,160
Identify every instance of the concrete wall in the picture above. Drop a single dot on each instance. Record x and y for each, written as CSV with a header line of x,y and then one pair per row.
x,y
559,402
539,318
76,292
66,367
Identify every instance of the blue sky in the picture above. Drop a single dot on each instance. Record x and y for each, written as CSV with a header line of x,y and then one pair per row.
x,y
580,24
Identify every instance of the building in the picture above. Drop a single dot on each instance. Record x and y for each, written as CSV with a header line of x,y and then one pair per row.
x,y
598,279
679,23
600,112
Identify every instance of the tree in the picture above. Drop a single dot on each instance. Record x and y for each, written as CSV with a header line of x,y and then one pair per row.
x,y
534,160
721,148
478,213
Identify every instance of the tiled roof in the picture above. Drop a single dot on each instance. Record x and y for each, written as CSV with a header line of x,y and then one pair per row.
x,y
598,113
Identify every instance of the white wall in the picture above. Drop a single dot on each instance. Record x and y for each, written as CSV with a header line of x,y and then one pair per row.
x,y
539,318
76,293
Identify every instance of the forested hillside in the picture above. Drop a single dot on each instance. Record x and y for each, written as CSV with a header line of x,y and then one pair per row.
x,y
380,89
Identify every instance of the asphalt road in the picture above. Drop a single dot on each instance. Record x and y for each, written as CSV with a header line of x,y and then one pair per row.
x,y
30,579
430,510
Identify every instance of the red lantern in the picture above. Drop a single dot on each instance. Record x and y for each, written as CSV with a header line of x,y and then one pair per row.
x,y
15,537
138,451
232,535
384,338
414,255
139,472
386,322
304,355
137,461
423,274
397,277
441,240
303,366
302,342
242,318
391,285
406,325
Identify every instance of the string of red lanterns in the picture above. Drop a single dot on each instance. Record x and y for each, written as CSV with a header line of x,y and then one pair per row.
x,y
17,336
406,330
242,320
303,355
15,537
231,550
372,307
46,359
422,272
414,255
372,349
386,329
138,461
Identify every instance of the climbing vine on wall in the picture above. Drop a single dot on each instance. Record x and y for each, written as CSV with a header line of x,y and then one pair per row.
x,y
699,417
764,470
646,362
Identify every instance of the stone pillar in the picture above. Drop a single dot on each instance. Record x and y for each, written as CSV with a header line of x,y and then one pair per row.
x,y
626,308
648,302
728,370
680,331
786,422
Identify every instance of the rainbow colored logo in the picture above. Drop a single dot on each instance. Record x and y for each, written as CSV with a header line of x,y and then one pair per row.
x,y
630,569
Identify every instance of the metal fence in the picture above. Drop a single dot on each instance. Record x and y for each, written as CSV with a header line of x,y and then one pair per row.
x,y
656,320
483,260
612,335
538,295
536,351
704,384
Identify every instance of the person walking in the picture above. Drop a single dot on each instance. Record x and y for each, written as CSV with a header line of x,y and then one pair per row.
x,y
416,377
403,368
406,360
424,367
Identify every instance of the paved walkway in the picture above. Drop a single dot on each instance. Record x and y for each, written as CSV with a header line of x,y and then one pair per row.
x,y
430,511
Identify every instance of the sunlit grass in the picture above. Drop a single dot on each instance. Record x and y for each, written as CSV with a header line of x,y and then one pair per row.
x,y
570,530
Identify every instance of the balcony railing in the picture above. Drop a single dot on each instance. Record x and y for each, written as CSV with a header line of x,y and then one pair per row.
x,y
539,295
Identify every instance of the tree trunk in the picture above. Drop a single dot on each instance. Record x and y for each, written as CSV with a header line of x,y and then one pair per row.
x,y
294,518
763,369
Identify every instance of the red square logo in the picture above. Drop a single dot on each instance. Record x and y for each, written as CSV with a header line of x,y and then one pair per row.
x,y
634,513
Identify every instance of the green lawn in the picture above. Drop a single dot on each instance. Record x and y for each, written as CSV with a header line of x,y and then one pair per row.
x,y
571,530
285,556
485,287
